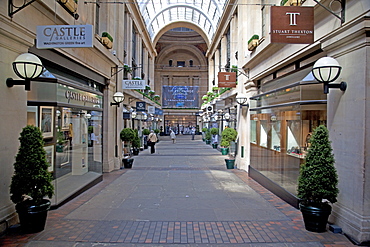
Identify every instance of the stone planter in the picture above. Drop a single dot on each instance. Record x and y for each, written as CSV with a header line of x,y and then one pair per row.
x,y
106,42
253,44
71,5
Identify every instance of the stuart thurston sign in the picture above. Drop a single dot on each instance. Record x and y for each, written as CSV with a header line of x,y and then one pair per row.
x,y
133,84
226,79
294,25
64,36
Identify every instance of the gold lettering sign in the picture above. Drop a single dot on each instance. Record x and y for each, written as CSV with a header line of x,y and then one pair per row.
x,y
292,25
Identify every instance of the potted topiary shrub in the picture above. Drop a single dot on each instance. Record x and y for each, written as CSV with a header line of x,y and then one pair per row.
x,y
151,93
136,143
317,182
157,131
214,133
156,97
146,132
127,135
229,135
224,146
31,181
204,130
208,137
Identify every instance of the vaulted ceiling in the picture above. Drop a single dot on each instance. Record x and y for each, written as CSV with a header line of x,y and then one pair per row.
x,y
205,14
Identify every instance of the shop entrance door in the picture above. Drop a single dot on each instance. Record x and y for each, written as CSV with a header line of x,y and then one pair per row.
x,y
180,124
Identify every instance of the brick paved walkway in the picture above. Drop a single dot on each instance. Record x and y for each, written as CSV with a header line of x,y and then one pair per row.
x,y
64,230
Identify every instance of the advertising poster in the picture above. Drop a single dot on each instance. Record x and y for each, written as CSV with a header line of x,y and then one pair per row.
x,y
180,96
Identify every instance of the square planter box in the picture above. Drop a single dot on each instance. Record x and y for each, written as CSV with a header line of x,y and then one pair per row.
x,y
106,42
71,5
253,44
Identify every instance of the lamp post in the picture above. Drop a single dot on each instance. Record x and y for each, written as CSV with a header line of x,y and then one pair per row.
x,y
118,98
327,70
242,99
28,67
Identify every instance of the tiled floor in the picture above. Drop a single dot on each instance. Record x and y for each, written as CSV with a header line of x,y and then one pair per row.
x,y
146,206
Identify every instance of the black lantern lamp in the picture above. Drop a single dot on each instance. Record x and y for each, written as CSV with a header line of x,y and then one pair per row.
x,y
28,67
327,70
242,99
118,98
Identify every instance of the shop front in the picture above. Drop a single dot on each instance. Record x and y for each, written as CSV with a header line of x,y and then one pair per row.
x,y
69,112
282,118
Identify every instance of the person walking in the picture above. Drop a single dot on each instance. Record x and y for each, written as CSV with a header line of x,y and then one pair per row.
x,y
152,139
192,132
173,136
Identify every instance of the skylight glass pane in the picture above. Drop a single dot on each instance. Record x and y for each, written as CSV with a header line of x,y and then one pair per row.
x,y
211,8
195,17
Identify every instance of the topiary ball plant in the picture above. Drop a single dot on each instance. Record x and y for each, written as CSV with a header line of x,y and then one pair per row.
x,y
31,179
208,135
214,131
127,135
228,135
318,177
146,132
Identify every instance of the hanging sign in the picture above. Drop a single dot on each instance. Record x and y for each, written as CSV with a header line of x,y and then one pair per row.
x,y
133,84
226,79
292,25
151,109
64,36
140,106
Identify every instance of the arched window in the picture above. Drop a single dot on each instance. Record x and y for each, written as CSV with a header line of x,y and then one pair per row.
x,y
170,63
191,63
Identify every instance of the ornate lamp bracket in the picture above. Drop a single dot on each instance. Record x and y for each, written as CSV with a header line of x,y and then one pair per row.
x,y
12,8
342,11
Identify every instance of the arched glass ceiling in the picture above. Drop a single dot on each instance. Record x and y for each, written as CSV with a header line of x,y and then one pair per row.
x,y
203,13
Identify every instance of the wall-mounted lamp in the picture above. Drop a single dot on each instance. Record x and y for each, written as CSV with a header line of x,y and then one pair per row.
x,y
327,70
133,114
118,98
242,99
227,116
28,67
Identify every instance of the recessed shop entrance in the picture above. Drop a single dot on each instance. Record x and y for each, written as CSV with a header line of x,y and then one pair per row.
x,y
180,124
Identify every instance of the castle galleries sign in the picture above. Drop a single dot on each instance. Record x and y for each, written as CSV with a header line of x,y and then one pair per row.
x,y
64,36
293,25
133,84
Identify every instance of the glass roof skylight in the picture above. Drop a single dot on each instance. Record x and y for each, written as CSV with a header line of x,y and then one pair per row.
x,y
203,13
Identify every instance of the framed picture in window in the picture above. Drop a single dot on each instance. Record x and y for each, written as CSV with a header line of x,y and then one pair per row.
x,y
50,157
66,115
46,121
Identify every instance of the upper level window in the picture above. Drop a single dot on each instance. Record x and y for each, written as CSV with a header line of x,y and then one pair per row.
x,y
170,63
180,63
191,63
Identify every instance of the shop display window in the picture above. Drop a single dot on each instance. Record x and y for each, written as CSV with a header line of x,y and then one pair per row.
x,y
73,145
280,140
253,131
275,135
